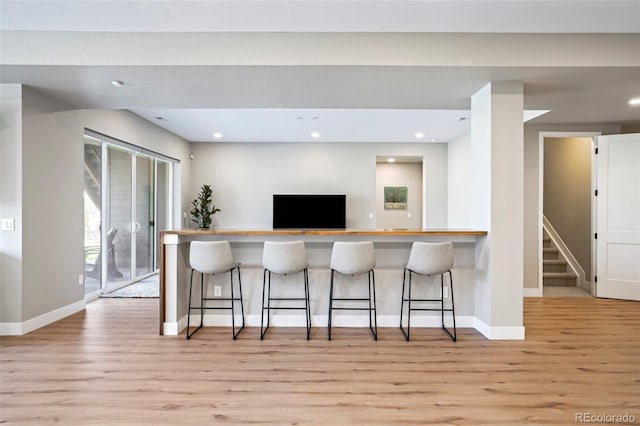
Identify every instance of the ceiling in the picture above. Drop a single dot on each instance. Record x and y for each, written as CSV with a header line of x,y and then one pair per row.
x,y
278,70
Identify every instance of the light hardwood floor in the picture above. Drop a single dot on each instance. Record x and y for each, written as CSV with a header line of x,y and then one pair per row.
x,y
108,366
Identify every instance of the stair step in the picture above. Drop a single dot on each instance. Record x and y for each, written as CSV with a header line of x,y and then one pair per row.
x,y
563,279
549,253
558,274
546,242
554,265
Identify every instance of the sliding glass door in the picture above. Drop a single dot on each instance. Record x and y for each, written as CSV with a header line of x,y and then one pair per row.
x,y
92,216
119,225
127,203
144,214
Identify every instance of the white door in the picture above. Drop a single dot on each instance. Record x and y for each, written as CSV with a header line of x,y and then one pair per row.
x,y
618,216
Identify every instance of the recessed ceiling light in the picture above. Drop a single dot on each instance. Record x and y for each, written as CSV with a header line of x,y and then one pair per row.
x,y
315,135
217,135
117,83
434,140
315,118
300,117
159,118
634,101
419,135
391,160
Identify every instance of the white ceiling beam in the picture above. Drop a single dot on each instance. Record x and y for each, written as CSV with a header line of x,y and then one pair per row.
x,y
478,16
304,49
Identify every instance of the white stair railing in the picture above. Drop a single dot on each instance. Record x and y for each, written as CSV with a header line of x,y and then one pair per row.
x,y
566,253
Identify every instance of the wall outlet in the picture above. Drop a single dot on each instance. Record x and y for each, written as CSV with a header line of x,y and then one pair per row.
x,y
80,279
8,224
409,215
445,293
370,215
217,291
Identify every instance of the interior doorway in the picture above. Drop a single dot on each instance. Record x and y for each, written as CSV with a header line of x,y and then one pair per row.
x,y
567,218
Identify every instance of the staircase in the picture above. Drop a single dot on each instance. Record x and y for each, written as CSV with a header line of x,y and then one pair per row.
x,y
555,269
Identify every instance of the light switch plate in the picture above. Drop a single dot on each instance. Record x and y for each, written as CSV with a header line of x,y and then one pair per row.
x,y
8,224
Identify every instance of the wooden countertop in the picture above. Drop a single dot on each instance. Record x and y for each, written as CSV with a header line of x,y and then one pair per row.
x,y
367,232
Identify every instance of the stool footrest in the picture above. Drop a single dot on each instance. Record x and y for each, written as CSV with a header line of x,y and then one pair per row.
x,y
423,300
221,299
352,309
362,300
287,298
210,307
431,309
275,308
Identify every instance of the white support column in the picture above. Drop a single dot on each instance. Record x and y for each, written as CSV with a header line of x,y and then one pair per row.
x,y
497,165
171,327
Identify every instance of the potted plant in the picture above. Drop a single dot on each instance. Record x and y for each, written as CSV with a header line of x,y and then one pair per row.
x,y
201,212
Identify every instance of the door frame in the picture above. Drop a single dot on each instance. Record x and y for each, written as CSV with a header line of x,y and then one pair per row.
x,y
155,157
538,292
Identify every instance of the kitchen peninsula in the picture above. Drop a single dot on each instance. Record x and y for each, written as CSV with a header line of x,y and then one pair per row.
x,y
392,250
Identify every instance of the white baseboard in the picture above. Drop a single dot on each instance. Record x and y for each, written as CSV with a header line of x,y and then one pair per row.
x,y
21,328
212,320
499,333
587,286
532,292
10,329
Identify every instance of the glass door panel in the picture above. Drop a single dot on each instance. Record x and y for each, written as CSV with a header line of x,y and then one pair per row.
x,y
143,225
118,241
92,215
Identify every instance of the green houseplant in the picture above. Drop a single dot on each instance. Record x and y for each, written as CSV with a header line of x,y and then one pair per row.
x,y
201,212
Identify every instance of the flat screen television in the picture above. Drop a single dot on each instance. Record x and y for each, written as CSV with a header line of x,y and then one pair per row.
x,y
309,211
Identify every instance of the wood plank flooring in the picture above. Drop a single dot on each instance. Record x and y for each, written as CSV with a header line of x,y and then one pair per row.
x,y
108,366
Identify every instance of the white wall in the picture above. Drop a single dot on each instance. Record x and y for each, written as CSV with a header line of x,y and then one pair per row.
x,y
244,176
399,174
10,200
459,182
52,195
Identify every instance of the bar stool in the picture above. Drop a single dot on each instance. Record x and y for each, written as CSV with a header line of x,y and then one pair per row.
x,y
284,258
429,259
213,257
354,259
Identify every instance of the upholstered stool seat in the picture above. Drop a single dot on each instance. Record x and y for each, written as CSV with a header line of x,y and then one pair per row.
x,y
213,258
284,258
429,259
354,259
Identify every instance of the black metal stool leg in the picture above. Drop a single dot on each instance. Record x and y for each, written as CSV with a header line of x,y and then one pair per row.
x,y
269,299
189,310
330,305
201,300
409,309
233,313
307,307
374,312
402,301
453,336
264,286
241,302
